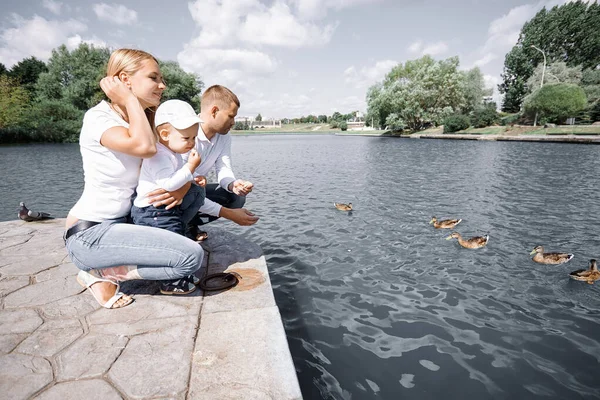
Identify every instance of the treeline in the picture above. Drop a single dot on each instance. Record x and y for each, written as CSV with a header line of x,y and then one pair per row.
x,y
568,36
335,120
45,102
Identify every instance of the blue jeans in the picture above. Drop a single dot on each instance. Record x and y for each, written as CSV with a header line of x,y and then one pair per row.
x,y
158,253
173,219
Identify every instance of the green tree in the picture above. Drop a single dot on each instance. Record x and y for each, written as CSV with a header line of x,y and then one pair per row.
x,y
74,76
181,85
590,82
258,118
53,121
27,72
567,33
474,90
557,72
484,115
14,101
3,69
556,102
336,116
418,93
322,119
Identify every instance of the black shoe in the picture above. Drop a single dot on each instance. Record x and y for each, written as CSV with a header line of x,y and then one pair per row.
x,y
183,285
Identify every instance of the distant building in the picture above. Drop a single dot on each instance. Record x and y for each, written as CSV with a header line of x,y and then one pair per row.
x,y
254,124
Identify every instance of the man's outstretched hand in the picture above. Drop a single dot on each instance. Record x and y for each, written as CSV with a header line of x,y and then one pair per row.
x,y
240,216
241,187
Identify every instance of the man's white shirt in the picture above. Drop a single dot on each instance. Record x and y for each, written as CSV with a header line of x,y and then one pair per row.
x,y
214,153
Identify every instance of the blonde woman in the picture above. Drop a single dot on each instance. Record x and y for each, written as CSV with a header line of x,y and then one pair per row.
x,y
114,139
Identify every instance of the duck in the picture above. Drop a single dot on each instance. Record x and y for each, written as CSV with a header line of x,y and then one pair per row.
x,y
549,258
587,275
475,242
444,224
343,206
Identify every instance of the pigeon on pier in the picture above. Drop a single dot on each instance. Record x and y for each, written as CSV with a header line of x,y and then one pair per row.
x,y
28,215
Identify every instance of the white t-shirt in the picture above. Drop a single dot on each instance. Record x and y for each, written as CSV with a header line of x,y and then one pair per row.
x,y
110,176
165,170
215,153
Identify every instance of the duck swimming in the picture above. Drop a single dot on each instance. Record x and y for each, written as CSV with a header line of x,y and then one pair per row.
x,y
343,206
475,242
549,258
444,224
587,275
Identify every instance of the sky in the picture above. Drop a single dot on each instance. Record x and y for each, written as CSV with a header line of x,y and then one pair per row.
x,y
283,58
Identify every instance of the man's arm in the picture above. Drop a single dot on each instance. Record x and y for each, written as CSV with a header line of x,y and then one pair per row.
x,y
225,174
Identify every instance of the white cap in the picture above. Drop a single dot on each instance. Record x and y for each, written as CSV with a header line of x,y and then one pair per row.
x,y
177,113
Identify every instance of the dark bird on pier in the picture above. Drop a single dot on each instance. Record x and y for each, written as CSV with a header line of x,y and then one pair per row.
x,y
28,215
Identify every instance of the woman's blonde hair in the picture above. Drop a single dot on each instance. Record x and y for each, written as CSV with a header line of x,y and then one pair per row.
x,y
130,61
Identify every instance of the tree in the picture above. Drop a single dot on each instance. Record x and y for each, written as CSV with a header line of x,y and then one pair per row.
x,y
53,121
557,72
556,102
181,85
27,72
74,76
567,33
590,82
474,90
258,118
418,93
14,101
3,69
322,119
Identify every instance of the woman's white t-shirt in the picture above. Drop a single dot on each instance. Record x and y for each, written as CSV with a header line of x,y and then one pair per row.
x,y
110,176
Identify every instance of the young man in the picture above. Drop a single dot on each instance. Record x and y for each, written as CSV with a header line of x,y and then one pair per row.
x,y
218,108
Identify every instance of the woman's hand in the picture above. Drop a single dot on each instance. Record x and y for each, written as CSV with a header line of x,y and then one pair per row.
x,y
115,90
160,197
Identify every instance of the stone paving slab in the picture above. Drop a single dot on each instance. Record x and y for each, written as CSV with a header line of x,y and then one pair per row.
x,y
254,338
57,342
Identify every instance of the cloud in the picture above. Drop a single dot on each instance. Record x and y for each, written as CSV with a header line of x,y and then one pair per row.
x,y
249,22
74,41
486,59
115,13
433,49
35,37
367,76
278,27
53,6
316,9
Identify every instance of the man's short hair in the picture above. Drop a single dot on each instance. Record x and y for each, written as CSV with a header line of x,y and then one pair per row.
x,y
219,95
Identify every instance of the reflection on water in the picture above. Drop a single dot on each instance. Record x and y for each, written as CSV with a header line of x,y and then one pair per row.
x,y
375,303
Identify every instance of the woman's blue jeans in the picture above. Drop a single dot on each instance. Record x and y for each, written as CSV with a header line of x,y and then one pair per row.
x,y
158,253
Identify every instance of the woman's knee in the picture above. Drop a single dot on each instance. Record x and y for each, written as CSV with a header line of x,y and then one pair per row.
x,y
193,261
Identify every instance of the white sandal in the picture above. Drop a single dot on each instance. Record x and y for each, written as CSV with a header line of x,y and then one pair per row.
x,y
87,279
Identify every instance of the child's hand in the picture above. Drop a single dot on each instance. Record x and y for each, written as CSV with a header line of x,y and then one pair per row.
x,y
116,90
193,160
200,180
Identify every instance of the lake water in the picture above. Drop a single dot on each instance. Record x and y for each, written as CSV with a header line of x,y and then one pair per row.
x,y
376,304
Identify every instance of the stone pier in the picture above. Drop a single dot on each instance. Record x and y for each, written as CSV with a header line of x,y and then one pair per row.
x,y
56,342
